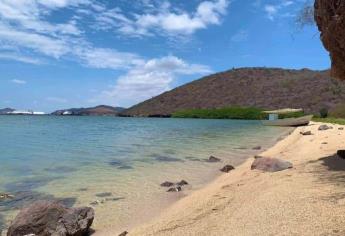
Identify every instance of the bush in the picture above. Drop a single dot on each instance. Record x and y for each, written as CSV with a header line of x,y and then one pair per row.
x,y
323,112
338,111
239,113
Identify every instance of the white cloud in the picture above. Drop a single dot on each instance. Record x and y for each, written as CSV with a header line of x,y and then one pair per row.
x,y
149,79
17,81
20,58
272,10
166,19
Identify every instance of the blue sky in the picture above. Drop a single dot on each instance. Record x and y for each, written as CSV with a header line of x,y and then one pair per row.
x,y
78,53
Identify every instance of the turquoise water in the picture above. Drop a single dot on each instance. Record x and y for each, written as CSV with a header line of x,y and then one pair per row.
x,y
118,162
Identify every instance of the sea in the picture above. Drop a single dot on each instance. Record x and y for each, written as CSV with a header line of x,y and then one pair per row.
x,y
116,165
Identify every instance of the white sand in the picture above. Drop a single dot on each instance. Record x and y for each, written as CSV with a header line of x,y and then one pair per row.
x,y
306,200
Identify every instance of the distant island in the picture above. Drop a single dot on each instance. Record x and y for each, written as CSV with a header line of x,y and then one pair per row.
x,y
101,110
264,88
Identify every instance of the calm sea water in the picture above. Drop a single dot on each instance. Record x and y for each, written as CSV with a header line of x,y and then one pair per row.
x,y
116,163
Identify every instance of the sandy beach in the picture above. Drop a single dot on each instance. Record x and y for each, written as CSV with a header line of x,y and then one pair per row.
x,y
308,199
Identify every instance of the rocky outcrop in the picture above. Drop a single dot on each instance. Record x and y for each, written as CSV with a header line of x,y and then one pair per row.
x,y
44,218
330,19
341,153
267,164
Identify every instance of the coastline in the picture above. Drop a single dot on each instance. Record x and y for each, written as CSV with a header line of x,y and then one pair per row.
x,y
305,200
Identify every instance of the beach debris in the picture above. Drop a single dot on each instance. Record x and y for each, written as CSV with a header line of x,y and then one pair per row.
x,y
341,153
5,196
325,127
124,233
227,168
306,133
268,164
106,194
167,184
52,218
341,128
182,183
97,202
257,148
213,159
175,189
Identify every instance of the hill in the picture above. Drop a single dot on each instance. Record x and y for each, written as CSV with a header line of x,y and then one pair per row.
x,y
267,88
101,110
5,111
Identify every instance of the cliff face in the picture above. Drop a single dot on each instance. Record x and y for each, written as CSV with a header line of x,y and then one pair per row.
x,y
266,88
330,19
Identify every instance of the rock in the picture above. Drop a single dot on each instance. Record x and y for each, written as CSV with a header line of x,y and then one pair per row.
x,y
5,196
175,189
324,143
227,168
341,153
341,128
329,16
306,133
124,233
213,159
52,218
182,183
256,157
325,127
257,148
267,164
167,184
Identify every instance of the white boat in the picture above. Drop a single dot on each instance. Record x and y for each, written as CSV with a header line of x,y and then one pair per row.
x,y
275,121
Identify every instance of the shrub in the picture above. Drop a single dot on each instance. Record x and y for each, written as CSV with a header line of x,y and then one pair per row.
x,y
239,113
323,112
338,111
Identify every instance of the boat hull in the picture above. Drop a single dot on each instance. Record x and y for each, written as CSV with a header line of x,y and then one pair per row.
x,y
289,122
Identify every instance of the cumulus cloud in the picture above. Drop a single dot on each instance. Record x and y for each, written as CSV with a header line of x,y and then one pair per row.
x,y
149,79
166,19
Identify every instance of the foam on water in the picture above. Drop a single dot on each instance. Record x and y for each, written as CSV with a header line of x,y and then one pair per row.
x,y
116,163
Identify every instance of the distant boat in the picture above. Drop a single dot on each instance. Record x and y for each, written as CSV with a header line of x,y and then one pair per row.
x,y
288,122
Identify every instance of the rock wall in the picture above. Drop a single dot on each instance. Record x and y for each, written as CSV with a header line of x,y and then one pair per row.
x,y
330,19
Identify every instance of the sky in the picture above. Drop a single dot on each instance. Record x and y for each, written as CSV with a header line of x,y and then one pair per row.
x,y
57,54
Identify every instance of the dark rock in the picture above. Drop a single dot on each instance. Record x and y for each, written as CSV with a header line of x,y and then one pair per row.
x,y
341,153
107,194
306,133
182,183
324,143
5,196
257,148
213,159
227,168
341,128
256,157
167,184
52,218
325,127
267,164
175,189
124,233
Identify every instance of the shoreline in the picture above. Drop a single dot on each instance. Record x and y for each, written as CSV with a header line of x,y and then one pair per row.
x,y
246,202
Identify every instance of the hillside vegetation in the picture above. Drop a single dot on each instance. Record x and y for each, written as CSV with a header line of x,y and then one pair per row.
x,y
264,88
